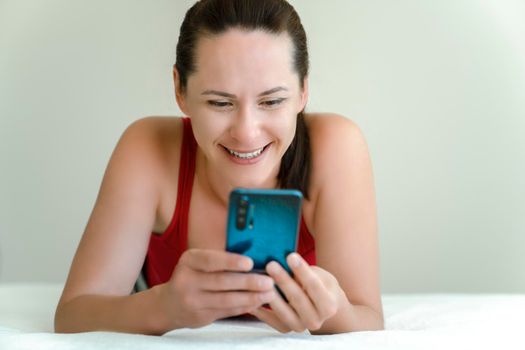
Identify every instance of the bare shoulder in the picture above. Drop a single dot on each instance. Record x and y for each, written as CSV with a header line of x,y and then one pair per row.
x,y
150,147
334,140
326,129
160,137
160,140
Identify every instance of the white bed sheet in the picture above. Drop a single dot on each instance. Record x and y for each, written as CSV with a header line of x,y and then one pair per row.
x,y
432,321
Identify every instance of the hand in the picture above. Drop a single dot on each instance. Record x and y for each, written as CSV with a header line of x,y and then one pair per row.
x,y
208,285
313,297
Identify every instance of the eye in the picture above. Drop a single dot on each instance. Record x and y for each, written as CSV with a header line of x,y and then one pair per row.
x,y
273,103
219,104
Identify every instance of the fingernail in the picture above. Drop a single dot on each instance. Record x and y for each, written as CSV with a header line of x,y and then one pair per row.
x,y
272,267
294,260
245,264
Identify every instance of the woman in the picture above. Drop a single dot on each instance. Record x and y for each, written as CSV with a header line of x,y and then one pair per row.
x,y
241,79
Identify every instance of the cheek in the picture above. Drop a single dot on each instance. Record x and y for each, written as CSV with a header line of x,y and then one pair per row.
x,y
285,130
209,129
291,133
203,130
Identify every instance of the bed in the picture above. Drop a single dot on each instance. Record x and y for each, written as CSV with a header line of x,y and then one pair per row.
x,y
413,321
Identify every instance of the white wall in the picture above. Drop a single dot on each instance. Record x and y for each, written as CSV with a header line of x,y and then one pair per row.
x,y
438,88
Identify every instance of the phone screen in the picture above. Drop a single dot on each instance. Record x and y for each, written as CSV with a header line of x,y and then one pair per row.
x,y
263,224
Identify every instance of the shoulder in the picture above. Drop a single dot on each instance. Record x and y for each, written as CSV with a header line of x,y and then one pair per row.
x,y
154,144
152,141
153,132
328,129
337,145
148,153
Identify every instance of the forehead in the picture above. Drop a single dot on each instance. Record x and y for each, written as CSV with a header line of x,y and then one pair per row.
x,y
240,55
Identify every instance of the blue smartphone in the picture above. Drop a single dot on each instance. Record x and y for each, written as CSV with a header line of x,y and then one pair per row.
x,y
263,224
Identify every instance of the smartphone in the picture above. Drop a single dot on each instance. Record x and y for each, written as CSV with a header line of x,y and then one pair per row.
x,y
263,224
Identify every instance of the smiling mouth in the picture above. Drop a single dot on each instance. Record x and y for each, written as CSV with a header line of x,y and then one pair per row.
x,y
246,155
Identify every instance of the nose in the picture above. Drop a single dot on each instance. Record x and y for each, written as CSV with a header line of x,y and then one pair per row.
x,y
245,127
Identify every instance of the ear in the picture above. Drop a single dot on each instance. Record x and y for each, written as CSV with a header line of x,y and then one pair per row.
x,y
304,94
179,95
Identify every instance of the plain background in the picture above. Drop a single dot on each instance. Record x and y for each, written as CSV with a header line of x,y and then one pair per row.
x,y
438,88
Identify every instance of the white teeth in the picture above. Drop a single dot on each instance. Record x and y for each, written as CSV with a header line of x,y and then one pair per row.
x,y
246,155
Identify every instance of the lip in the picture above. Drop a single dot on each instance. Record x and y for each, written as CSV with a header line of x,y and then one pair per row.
x,y
250,161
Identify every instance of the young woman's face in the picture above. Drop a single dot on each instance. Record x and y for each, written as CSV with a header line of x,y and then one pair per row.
x,y
243,101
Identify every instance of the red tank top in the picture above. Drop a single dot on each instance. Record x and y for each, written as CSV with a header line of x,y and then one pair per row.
x,y
165,250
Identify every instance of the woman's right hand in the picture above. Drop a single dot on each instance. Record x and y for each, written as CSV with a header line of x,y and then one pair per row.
x,y
207,285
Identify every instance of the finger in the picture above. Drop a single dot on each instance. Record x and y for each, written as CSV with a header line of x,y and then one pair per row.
x,y
297,297
230,300
319,295
230,281
271,319
286,314
208,260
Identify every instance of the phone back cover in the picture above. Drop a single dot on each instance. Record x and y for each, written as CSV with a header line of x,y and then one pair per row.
x,y
271,229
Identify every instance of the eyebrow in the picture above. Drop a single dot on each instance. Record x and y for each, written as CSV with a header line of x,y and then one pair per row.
x,y
225,94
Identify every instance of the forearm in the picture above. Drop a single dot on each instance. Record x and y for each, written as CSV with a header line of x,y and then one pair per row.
x,y
136,313
352,318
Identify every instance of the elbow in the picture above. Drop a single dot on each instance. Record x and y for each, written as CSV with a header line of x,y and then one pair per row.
x,y
59,323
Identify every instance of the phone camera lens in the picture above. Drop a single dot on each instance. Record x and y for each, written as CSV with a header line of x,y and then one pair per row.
x,y
242,213
241,222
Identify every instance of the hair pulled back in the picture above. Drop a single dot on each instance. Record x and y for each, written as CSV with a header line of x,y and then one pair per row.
x,y
213,17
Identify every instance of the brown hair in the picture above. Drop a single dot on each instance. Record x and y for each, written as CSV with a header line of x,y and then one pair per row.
x,y
212,17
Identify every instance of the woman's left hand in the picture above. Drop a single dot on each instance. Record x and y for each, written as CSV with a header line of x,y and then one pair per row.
x,y
313,294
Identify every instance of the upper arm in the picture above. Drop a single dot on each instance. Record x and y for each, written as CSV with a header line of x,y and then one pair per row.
x,y
113,246
345,222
